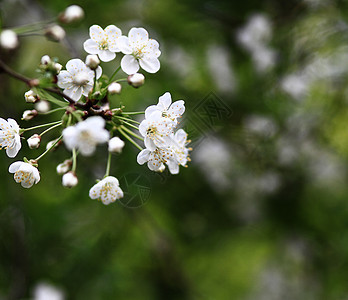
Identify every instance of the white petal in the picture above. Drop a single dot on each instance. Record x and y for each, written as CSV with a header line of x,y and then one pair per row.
x,y
13,168
94,122
150,64
13,124
113,33
86,149
129,64
12,152
123,45
75,66
99,72
164,101
69,137
111,179
173,167
28,183
64,79
106,55
4,124
74,92
94,192
102,136
177,109
149,110
180,137
86,89
138,36
91,46
96,33
143,156
149,144
152,48
154,165
36,175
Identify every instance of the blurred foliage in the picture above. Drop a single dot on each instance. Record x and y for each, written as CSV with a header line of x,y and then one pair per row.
x,y
262,210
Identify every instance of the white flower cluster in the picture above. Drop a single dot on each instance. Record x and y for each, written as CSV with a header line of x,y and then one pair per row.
x,y
89,121
163,146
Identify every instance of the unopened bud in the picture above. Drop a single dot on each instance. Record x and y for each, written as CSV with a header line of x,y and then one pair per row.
x,y
8,39
29,114
34,141
116,145
31,97
114,88
45,60
42,106
69,180
64,167
51,143
136,80
92,61
55,33
71,14
58,67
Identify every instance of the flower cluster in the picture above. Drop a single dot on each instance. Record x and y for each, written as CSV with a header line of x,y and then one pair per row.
x,y
81,93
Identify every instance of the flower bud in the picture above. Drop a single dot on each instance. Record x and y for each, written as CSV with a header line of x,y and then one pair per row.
x,y
31,97
51,143
64,167
71,14
116,145
29,114
42,106
45,60
8,39
69,180
92,61
55,33
114,88
34,141
58,67
136,80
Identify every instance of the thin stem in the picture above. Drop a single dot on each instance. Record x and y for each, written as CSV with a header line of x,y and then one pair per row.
x,y
132,113
132,133
95,80
74,155
48,129
121,80
39,126
53,110
49,149
130,139
114,74
126,119
107,172
130,125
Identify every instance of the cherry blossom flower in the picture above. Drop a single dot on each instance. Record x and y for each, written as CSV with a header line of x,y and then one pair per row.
x,y
139,50
69,180
85,135
116,145
103,42
24,173
168,109
78,79
181,152
9,137
156,130
106,190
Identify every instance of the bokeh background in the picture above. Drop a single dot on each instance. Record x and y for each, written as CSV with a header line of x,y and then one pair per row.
x,y
261,212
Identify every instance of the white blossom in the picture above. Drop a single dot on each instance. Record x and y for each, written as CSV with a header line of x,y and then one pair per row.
x,y
45,60
8,39
78,79
31,97
29,114
85,135
114,88
58,67
72,13
116,145
34,141
174,155
136,80
24,173
103,42
92,61
45,291
55,33
64,167
42,106
139,50
106,190
170,110
9,137
156,130
69,180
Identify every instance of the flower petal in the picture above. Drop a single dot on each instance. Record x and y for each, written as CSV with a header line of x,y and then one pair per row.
x,y
129,64
152,48
143,156
150,64
123,45
75,66
64,79
112,34
96,33
74,92
164,101
13,124
106,55
14,167
138,37
91,46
